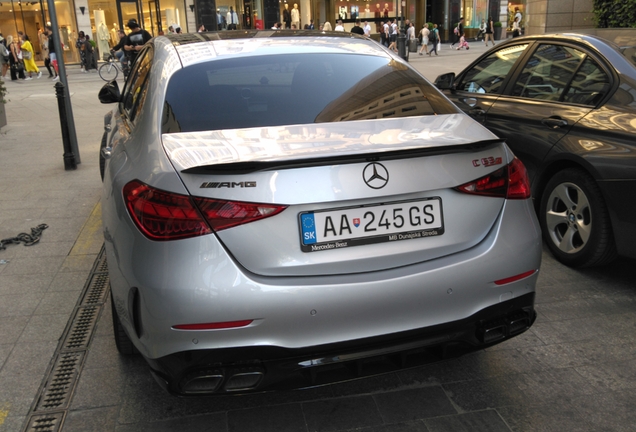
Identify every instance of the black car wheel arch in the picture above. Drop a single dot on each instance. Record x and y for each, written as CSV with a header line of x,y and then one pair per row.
x,y
574,219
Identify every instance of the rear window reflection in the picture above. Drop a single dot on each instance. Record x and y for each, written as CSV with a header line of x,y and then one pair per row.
x,y
278,90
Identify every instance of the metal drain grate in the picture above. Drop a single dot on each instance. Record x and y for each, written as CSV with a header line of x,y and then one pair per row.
x,y
57,391
82,328
46,422
97,289
48,411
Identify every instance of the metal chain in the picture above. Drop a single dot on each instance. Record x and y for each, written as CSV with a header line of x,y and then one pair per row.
x,y
27,239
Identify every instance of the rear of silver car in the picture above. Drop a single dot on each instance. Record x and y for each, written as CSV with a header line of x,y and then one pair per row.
x,y
295,255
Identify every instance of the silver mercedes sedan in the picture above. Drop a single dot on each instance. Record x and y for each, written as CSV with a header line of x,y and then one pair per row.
x,y
290,209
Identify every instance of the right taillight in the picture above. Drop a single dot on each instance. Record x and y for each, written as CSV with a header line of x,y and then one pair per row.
x,y
509,182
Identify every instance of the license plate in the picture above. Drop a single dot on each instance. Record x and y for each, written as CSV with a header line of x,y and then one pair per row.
x,y
355,226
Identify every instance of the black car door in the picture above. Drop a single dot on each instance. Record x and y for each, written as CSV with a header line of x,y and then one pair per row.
x,y
478,87
557,85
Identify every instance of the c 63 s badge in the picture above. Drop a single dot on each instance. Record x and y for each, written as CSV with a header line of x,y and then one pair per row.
x,y
219,185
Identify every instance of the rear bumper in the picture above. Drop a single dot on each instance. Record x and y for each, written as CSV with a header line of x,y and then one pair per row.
x,y
264,368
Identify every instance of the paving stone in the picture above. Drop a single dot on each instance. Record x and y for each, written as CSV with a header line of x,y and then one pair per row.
x,y
11,328
558,416
57,302
480,421
20,284
98,388
341,413
279,418
481,394
380,383
414,426
94,420
205,423
413,404
43,328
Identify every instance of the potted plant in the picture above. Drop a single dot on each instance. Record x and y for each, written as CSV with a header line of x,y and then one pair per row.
x,y
3,101
497,28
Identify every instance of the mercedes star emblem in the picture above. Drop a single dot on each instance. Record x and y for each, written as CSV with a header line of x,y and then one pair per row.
x,y
375,175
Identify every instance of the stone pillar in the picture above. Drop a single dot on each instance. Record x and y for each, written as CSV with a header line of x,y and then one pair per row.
x,y
555,16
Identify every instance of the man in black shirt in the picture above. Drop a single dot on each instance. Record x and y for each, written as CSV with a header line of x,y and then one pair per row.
x,y
357,29
135,40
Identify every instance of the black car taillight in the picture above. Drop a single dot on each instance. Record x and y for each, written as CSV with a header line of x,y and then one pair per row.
x,y
509,182
162,215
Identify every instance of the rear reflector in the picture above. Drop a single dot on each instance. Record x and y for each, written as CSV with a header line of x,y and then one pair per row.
x,y
515,278
509,182
213,326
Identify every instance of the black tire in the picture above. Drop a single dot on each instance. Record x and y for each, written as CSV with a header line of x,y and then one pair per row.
x,y
123,342
108,71
575,221
102,161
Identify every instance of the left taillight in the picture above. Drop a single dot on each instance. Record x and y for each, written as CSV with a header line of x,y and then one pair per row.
x,y
509,182
162,215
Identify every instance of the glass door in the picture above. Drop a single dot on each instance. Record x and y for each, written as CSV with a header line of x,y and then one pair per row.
x,y
127,10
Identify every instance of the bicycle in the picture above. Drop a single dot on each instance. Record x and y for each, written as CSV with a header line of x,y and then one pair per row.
x,y
110,70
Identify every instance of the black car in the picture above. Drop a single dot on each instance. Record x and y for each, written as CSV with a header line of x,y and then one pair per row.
x,y
566,106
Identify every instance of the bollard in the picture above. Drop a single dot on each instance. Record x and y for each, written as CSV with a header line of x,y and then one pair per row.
x,y
69,157
401,46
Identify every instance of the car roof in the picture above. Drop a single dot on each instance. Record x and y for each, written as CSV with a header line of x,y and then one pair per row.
x,y
194,48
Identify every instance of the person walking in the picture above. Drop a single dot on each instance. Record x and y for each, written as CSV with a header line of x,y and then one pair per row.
x,y
28,56
51,51
89,52
434,37
357,29
16,66
394,35
425,32
459,31
489,34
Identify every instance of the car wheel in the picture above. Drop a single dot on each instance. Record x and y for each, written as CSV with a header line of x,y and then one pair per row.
x,y
575,222
123,342
102,161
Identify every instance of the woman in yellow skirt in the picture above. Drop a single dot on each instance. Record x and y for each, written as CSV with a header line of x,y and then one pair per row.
x,y
28,56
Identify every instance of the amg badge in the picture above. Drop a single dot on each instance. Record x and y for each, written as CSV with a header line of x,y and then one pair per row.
x,y
218,185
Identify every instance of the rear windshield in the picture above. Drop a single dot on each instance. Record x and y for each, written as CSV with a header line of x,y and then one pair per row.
x,y
276,90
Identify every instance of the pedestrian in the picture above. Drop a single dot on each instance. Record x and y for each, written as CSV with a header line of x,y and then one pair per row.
x,y
410,31
51,53
394,35
367,29
28,56
489,34
219,20
516,30
15,60
463,43
356,29
232,19
311,25
482,30
79,44
44,44
136,39
327,26
177,30
4,56
434,38
89,55
202,28
339,26
386,29
424,33
459,31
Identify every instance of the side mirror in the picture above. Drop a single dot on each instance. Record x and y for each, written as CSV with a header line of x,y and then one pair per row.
x,y
110,93
446,81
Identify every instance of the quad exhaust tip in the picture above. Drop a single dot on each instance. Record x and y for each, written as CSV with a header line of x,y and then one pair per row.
x,y
504,327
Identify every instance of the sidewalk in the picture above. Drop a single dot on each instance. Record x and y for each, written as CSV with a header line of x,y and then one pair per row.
x,y
40,284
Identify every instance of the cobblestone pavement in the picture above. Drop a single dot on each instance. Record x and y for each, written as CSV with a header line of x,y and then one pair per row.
x,y
574,370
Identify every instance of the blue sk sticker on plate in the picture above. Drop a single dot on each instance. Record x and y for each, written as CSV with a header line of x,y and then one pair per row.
x,y
309,228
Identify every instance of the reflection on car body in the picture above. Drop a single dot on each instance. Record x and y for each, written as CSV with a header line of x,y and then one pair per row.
x,y
285,210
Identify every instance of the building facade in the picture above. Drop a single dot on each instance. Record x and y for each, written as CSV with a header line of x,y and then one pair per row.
x,y
102,18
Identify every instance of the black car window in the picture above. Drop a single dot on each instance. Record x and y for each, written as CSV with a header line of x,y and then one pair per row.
x,y
548,72
273,90
589,86
488,75
135,88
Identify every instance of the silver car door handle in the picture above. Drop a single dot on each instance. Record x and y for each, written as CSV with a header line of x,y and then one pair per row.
x,y
554,122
